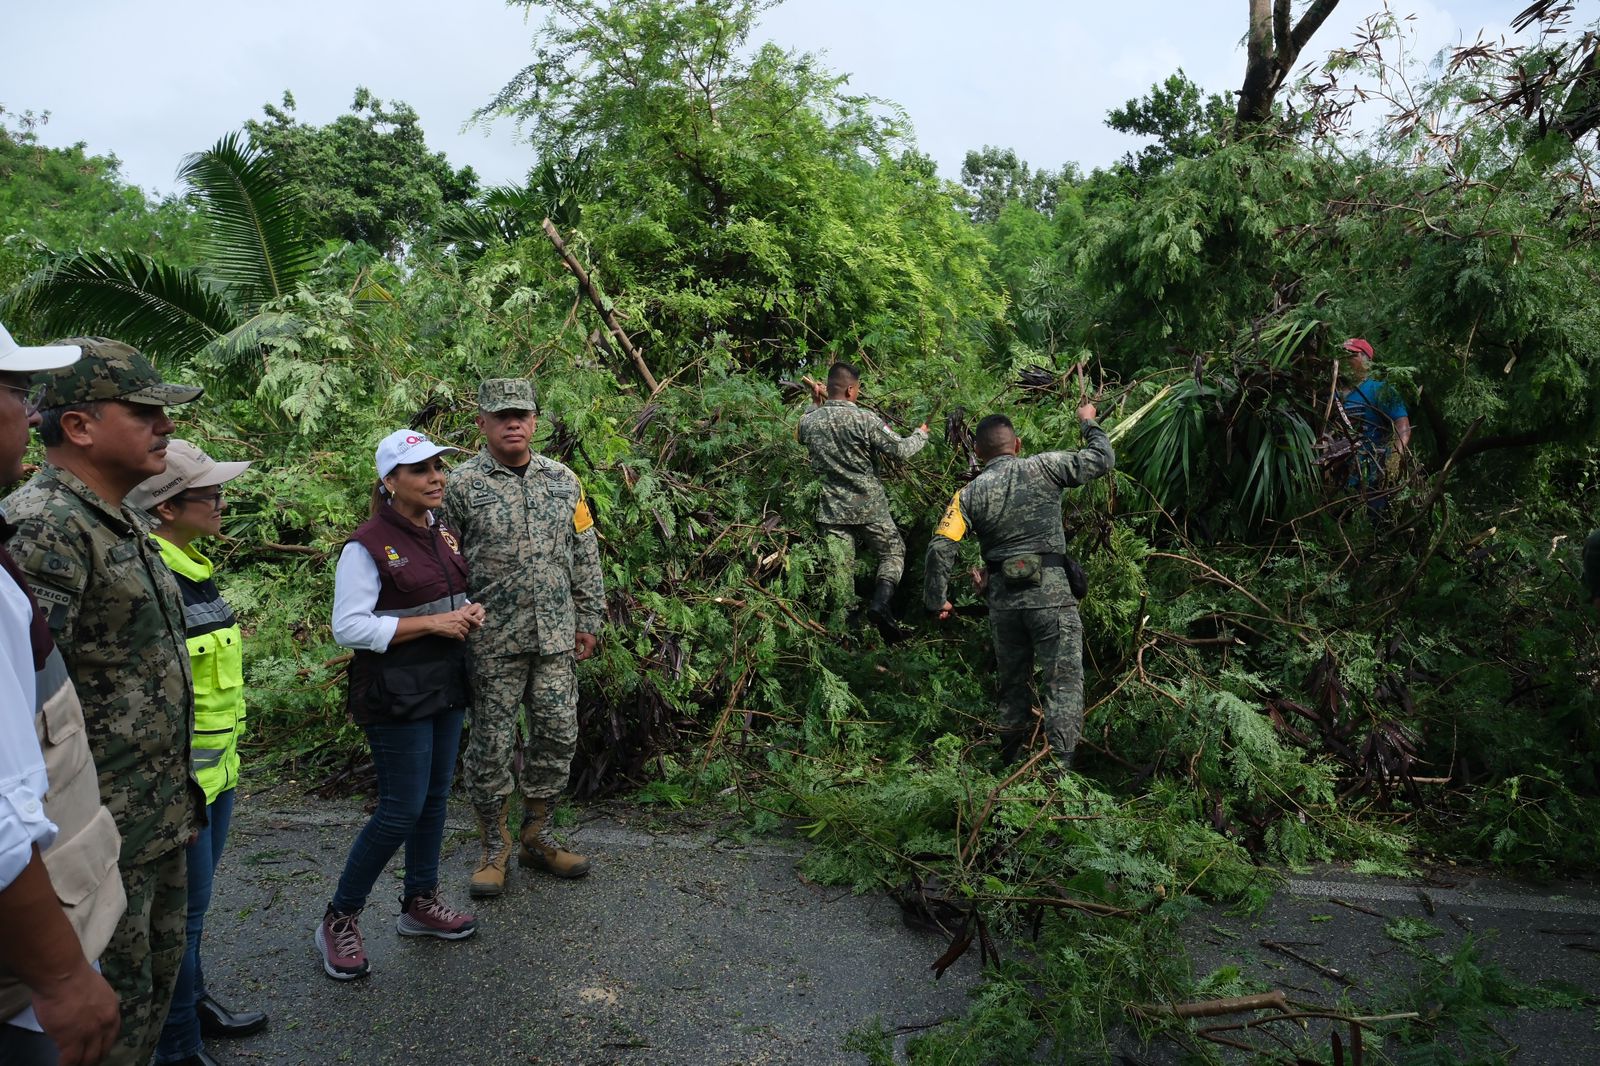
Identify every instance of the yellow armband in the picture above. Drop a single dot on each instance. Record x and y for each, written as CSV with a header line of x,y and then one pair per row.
x,y
954,524
581,518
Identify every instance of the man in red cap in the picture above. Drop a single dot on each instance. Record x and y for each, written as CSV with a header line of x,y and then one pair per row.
x,y
1375,411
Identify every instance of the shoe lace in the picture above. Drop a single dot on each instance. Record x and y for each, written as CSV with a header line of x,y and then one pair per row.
x,y
346,935
436,908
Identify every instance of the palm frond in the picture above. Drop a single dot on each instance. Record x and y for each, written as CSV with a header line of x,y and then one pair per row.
x,y
166,312
230,352
257,246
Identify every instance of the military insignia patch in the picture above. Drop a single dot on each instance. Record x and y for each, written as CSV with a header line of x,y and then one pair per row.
x,y
53,604
450,539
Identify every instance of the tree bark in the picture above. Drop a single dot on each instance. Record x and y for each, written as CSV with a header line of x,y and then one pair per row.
x,y
1273,46
607,314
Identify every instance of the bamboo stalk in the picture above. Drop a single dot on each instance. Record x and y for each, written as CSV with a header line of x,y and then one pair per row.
x,y
607,314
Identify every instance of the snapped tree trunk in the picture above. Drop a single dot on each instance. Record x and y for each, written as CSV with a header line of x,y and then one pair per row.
x,y
1273,45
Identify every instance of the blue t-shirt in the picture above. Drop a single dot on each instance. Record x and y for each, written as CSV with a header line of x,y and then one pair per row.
x,y
1373,408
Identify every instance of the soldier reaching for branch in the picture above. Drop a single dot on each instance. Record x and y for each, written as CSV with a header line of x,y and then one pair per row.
x,y
1014,507
844,440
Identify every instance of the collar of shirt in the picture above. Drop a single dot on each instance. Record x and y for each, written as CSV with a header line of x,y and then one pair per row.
x,y
491,465
120,518
998,459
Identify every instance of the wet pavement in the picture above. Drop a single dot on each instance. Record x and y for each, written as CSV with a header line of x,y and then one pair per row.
x,y
682,946
688,945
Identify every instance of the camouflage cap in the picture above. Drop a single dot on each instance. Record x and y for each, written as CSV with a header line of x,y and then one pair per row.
x,y
111,370
508,394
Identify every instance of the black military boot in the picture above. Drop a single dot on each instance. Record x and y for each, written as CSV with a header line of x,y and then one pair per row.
x,y
217,1021
881,612
1012,743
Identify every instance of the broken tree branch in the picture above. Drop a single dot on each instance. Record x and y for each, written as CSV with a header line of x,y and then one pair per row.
x,y
1211,1008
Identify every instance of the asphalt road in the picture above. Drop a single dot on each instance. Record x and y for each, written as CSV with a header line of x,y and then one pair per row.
x,y
680,947
685,946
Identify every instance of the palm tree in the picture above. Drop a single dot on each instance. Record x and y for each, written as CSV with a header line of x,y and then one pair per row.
x,y
256,252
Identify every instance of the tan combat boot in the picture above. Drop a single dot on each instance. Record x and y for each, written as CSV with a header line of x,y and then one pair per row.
x,y
489,879
540,848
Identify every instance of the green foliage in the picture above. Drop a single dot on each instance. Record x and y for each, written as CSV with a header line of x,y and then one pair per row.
x,y
1275,678
1184,125
254,251
996,178
742,194
66,198
366,176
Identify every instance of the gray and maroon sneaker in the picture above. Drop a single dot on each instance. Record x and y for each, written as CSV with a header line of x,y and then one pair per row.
x,y
427,914
338,940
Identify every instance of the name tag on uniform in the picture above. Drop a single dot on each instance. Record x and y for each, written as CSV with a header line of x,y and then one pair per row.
x,y
480,499
123,552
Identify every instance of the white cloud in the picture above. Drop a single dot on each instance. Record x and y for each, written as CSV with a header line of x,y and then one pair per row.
x,y
152,82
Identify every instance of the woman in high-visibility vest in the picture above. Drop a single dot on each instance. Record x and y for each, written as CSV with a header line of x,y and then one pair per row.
x,y
186,502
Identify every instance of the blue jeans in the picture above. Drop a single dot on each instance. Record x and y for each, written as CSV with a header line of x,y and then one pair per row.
x,y
180,1037
415,761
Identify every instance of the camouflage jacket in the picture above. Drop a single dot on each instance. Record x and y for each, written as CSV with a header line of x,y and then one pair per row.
x,y
1014,506
117,616
844,440
532,553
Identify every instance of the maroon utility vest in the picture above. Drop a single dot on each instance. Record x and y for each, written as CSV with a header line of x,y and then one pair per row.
x,y
421,571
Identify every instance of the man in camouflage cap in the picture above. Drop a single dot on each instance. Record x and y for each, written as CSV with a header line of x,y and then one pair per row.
x,y
1014,506
844,441
117,617
534,561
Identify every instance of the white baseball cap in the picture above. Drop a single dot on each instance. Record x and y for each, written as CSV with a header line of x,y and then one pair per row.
x,y
17,359
407,446
187,468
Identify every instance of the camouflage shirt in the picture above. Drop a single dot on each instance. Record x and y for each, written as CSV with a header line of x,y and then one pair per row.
x,y
1014,506
117,615
532,554
844,440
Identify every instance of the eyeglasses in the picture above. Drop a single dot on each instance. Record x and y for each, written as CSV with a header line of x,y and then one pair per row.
x,y
212,498
32,395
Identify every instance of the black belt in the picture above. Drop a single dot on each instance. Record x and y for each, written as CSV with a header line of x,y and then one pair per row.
x,y
1045,559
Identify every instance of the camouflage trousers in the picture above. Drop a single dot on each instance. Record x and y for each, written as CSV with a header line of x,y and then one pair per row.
x,y
141,961
1050,638
881,538
498,757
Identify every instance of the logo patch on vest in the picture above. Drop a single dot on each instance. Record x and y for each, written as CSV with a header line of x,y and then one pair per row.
x,y
450,539
395,559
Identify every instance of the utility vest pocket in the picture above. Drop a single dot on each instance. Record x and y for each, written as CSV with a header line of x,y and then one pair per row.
x,y
217,660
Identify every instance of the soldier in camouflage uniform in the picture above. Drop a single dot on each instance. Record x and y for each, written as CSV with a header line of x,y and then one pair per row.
x,y
534,561
1014,506
844,440
117,617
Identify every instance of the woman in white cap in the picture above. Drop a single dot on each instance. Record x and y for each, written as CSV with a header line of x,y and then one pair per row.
x,y
400,603
186,502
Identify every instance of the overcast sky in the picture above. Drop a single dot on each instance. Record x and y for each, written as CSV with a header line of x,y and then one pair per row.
x,y
153,81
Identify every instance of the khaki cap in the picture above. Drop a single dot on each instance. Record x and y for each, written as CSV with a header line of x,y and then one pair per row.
x,y
187,468
508,394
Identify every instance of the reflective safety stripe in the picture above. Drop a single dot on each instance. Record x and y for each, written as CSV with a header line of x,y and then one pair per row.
x,y
438,606
215,614
954,524
205,758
